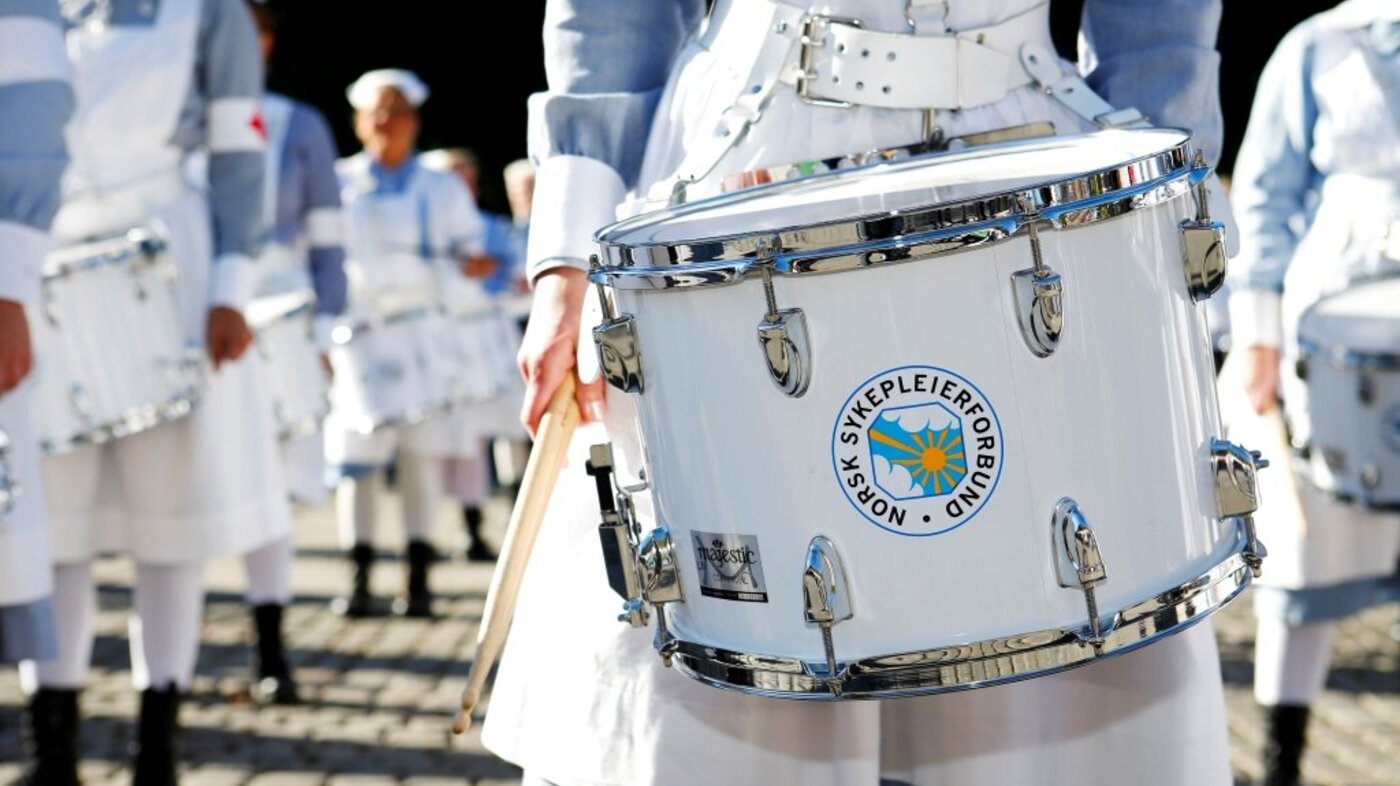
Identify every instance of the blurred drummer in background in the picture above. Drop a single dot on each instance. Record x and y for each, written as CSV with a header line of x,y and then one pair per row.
x,y
1317,194
161,82
467,476
413,235
304,250
35,93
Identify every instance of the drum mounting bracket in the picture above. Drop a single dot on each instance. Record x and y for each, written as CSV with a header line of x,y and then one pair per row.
x,y
1079,562
641,569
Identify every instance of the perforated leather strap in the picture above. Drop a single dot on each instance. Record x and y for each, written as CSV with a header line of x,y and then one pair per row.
x,y
847,64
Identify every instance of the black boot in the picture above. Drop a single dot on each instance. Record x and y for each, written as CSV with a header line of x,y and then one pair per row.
x,y
477,551
52,738
274,684
419,602
359,603
156,754
1283,747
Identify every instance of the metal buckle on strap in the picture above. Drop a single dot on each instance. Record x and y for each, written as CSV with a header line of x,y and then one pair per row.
x,y
811,40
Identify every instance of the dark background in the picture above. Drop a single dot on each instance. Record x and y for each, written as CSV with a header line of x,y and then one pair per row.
x,y
482,59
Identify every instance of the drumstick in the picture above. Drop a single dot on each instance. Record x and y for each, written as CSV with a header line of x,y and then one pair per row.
x,y
551,445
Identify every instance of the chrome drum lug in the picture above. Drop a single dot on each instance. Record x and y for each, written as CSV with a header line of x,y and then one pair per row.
x,y
1079,563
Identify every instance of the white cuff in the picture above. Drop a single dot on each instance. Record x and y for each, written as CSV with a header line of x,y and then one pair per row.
x,y
324,227
322,325
22,251
1256,318
575,196
232,282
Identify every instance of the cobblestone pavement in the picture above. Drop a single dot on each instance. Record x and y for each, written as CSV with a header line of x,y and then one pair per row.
x,y
380,692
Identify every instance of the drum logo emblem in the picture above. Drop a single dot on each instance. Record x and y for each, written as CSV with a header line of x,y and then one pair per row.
x,y
730,566
917,450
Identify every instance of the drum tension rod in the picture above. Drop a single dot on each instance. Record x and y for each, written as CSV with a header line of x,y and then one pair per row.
x,y
827,600
783,337
1079,563
1202,239
1038,292
619,347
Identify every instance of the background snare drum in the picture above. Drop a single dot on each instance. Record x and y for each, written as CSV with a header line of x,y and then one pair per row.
x,y
92,389
285,339
386,372
1349,415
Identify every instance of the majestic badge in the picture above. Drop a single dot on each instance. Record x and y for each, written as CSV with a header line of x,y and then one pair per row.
x,y
917,450
730,566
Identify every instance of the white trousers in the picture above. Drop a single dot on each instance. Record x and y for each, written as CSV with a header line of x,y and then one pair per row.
x,y
270,573
164,628
420,481
1290,661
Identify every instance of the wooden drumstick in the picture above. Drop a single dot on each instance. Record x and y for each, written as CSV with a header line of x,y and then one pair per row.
x,y
546,459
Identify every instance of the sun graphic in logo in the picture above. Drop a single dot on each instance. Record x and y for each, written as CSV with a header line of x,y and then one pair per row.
x,y
918,451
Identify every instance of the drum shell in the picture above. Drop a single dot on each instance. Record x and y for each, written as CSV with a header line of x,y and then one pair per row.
x,y
385,373
1119,418
286,340
1351,435
90,389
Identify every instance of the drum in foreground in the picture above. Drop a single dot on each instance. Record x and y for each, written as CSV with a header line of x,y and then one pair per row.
x,y
925,426
111,355
1349,357
282,325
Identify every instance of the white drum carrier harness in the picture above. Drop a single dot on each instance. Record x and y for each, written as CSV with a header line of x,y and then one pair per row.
x,y
834,61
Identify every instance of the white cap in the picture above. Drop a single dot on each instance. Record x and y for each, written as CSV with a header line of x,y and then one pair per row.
x,y
365,91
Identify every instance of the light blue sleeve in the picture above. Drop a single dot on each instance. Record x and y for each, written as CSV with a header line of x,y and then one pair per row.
x,y
1159,57
1274,173
606,62
230,73
322,205
36,100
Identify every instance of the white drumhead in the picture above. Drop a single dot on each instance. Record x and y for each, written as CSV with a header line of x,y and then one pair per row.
x,y
1364,319
895,187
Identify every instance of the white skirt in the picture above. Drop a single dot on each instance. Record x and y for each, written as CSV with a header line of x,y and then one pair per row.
x,y
208,485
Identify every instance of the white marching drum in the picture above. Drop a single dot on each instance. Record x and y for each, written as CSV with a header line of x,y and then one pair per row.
x,y
92,389
925,426
478,353
283,326
1349,358
387,370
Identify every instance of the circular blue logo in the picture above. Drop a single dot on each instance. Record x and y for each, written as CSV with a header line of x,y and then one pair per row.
x,y
917,450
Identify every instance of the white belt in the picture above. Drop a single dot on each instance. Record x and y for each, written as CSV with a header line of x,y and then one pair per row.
x,y
86,215
835,62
